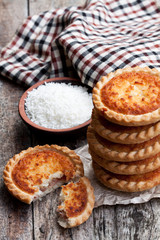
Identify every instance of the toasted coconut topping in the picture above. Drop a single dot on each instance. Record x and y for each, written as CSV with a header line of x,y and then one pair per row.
x,y
135,92
35,168
75,199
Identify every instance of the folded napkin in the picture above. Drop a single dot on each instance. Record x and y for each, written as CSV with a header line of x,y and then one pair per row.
x,y
85,42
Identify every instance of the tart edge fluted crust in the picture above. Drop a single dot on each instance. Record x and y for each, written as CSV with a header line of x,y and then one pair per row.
x,y
120,118
121,155
137,136
123,185
131,168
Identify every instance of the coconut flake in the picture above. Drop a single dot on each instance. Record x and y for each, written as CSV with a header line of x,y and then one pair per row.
x,y
59,105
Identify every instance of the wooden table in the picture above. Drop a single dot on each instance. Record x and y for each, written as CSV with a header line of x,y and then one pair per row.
x,y
19,221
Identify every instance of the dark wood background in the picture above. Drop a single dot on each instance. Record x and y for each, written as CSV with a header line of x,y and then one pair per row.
x,y
19,221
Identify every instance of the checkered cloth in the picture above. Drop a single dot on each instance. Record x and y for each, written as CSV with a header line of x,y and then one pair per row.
x,y
85,42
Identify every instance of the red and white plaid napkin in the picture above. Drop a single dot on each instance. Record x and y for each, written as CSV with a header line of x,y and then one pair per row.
x,y
85,42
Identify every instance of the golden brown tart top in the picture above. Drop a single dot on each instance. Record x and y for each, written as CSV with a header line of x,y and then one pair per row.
x,y
77,202
130,92
75,198
35,167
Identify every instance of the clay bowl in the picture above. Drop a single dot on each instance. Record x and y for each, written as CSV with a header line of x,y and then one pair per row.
x,y
67,131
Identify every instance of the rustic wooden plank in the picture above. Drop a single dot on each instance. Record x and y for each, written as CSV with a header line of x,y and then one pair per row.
x,y
71,141
15,217
104,226
12,14
155,218
37,6
136,221
45,222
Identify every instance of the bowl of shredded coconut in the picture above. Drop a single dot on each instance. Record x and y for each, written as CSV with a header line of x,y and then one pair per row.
x,y
57,105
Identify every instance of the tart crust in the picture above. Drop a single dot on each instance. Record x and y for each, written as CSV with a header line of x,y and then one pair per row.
x,y
77,203
128,168
127,183
122,152
129,96
26,171
123,134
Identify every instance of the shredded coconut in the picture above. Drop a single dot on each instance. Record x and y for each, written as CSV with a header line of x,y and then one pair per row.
x,y
59,105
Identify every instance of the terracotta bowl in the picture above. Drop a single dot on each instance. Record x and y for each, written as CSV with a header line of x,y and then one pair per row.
x,y
74,130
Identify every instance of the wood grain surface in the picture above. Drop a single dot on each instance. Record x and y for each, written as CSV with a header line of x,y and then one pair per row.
x,y
37,6
19,221
13,12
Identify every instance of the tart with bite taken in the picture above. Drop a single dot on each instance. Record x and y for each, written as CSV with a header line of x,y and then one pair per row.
x,y
34,172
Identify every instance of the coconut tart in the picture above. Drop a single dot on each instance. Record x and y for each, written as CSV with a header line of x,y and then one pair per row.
x,y
129,96
34,172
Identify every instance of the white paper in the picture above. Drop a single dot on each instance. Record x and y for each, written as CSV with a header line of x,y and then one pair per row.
x,y
106,196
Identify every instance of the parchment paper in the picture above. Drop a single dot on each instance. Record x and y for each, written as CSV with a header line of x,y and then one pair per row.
x,y
106,196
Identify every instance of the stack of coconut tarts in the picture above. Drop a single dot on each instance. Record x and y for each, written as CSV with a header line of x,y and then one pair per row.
x,y
124,135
